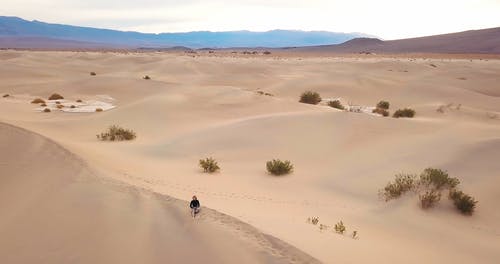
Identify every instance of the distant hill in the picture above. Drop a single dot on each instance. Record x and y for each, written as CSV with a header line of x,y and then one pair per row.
x,y
484,41
14,29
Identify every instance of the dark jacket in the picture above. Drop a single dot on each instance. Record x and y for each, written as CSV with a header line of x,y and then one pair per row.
x,y
194,204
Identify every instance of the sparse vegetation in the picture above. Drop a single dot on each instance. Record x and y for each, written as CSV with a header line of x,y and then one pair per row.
x,y
310,97
383,105
354,234
98,110
60,106
72,106
43,105
340,227
313,220
431,183
38,101
93,74
402,183
266,52
336,104
116,133
5,95
463,202
406,112
278,167
429,199
323,227
380,111
46,110
146,77
79,101
56,97
209,165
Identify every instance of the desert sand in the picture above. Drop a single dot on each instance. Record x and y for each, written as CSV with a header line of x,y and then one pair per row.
x,y
202,105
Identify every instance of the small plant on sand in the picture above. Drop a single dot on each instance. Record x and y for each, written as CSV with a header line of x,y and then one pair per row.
x,y
209,165
340,227
463,202
383,105
278,167
313,220
401,184
46,110
60,106
72,106
336,104
310,97
146,77
380,111
93,74
354,234
43,105
38,101
437,179
116,133
5,95
98,110
323,227
406,112
79,101
56,97
57,102
429,199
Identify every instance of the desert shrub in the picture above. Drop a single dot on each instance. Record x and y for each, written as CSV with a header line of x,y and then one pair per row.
x,y
98,110
116,133
5,95
60,106
93,73
209,165
310,97
146,77
44,104
313,220
402,183
438,179
56,97
380,111
46,110
383,105
72,106
323,227
429,199
268,94
266,52
278,167
463,202
354,234
336,104
38,101
57,102
406,112
340,227
260,92
79,101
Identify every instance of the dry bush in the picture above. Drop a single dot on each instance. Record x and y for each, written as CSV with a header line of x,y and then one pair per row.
x,y
437,179
406,112
116,133
59,106
429,199
402,183
209,165
354,234
38,101
57,102
463,202
72,106
93,74
313,220
5,95
266,52
98,110
146,77
310,97
340,227
380,111
56,97
336,104
278,167
79,101
46,110
383,105
43,105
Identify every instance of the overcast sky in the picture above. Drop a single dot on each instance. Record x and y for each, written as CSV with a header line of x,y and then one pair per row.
x,y
388,19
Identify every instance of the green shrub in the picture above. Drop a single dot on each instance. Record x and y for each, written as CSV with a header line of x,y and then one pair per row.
x,y
56,97
278,167
383,105
38,101
401,184
406,112
381,111
438,179
340,228
310,97
209,165
336,104
463,202
116,133
429,199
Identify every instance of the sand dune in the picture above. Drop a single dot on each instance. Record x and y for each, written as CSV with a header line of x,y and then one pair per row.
x,y
194,107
